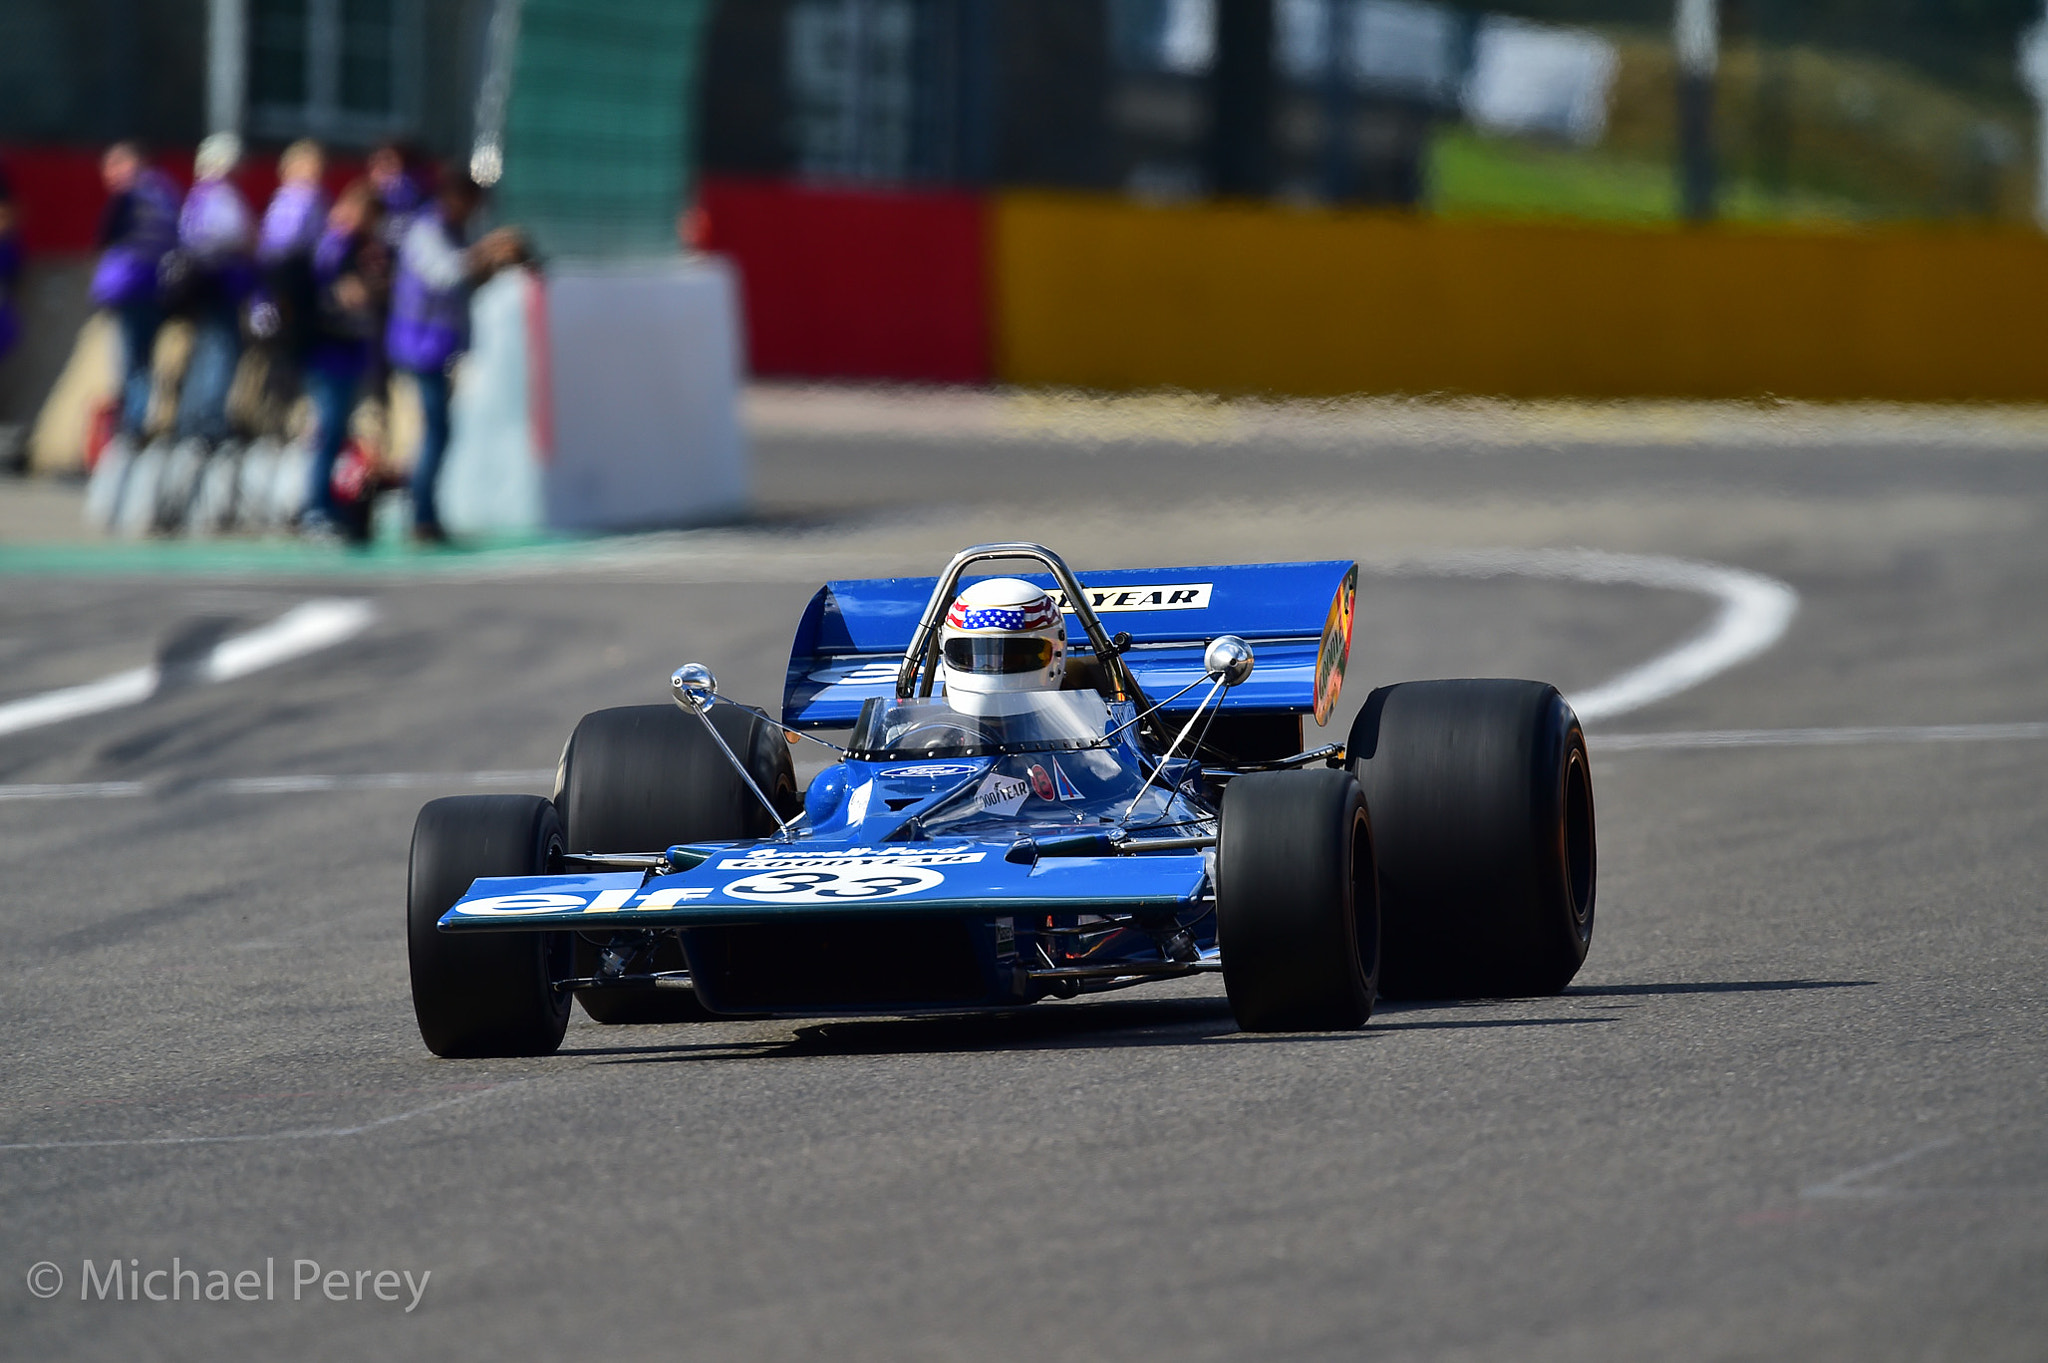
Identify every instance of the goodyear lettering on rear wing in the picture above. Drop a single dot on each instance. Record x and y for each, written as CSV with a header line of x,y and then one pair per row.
x,y
1163,596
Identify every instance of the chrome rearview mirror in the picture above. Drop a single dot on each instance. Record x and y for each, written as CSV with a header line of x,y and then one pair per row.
x,y
1225,662
693,687
1227,658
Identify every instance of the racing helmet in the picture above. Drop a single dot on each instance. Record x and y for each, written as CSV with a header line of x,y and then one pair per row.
x,y
1003,637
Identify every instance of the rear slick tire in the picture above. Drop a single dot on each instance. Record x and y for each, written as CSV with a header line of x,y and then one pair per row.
x,y
1297,902
483,993
642,778
1482,803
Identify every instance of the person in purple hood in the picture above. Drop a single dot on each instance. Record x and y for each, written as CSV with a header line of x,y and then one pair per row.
x,y
430,319
137,230
216,241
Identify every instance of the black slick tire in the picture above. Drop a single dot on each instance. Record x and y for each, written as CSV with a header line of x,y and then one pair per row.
x,y
1297,903
1482,803
642,778
484,993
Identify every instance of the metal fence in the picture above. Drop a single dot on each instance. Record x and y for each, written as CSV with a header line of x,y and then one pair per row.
x,y
1849,110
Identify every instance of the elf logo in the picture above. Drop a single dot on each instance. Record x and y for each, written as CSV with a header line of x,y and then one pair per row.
x,y
604,901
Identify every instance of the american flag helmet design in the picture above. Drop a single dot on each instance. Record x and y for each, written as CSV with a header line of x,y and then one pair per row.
x,y
1027,616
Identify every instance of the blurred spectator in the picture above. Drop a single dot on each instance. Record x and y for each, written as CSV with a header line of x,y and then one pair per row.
x,y
297,214
430,318
292,225
137,230
393,171
216,274
350,273
399,192
10,266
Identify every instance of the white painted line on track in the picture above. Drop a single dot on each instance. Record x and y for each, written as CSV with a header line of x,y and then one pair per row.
x,y
306,628
316,1133
283,785
1851,1184
54,707
1755,613
83,790
385,780
1680,740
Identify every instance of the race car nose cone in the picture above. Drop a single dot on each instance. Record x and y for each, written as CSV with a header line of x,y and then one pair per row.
x,y
693,686
1228,657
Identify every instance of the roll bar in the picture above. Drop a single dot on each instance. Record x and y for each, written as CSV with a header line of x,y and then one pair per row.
x,y
923,654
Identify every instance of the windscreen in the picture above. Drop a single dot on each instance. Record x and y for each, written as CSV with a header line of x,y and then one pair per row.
x,y
1038,721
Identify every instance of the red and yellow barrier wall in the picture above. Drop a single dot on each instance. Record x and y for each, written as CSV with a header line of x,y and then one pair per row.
x,y
1096,292
1100,292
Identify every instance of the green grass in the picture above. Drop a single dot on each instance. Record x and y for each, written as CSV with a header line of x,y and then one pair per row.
x,y
1472,175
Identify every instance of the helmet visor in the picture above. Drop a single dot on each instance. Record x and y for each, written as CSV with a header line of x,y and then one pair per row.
x,y
998,655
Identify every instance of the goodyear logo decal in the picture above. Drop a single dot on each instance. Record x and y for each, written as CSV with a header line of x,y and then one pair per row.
x,y
1164,596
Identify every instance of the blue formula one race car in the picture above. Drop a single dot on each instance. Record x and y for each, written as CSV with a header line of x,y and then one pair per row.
x,y
1028,805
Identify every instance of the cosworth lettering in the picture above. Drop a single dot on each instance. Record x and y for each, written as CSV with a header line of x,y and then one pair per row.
x,y
1166,596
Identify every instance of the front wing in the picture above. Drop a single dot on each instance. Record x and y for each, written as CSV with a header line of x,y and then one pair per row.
x,y
785,882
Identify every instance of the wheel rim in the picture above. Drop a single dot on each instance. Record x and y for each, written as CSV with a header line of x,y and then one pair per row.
x,y
1365,893
1578,839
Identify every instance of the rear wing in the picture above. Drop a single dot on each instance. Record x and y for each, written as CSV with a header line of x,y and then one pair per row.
x,y
1297,617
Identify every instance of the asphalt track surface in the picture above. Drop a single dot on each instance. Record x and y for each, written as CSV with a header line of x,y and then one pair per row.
x,y
1793,1107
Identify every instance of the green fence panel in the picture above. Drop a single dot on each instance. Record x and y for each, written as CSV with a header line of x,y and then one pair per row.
x,y
599,136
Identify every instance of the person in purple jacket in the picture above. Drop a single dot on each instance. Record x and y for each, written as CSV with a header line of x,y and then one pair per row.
x,y
137,230
394,173
297,213
430,319
216,239
390,169
350,272
292,224
283,306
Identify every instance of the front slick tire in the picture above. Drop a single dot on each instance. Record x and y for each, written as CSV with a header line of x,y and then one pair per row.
x,y
642,778
1297,902
1482,800
485,993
